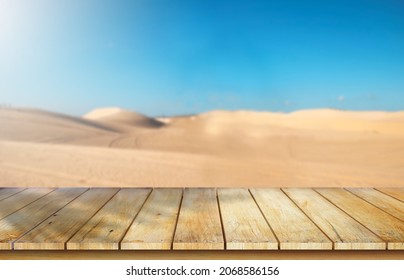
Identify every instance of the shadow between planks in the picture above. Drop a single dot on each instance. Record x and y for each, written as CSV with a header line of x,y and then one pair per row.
x,y
183,221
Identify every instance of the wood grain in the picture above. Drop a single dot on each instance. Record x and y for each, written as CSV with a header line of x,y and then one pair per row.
x,y
383,201
20,200
105,230
7,192
52,233
25,219
343,230
397,193
291,226
201,219
244,225
153,228
384,225
199,226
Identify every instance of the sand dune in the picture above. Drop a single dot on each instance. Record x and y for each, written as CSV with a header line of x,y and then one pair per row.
x,y
116,147
40,126
324,120
120,116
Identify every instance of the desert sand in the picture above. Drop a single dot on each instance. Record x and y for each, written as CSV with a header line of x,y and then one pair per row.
x,y
112,147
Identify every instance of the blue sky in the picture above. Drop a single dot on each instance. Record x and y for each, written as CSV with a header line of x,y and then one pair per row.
x,y
163,57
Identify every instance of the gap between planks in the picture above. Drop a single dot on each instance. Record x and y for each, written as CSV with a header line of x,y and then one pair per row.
x,y
203,219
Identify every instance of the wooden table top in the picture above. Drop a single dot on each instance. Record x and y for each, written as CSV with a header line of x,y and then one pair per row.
x,y
201,219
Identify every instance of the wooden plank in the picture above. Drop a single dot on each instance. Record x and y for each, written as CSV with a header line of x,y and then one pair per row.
x,y
383,201
343,230
20,200
291,226
18,223
244,225
384,225
199,226
397,193
154,226
7,192
108,226
52,233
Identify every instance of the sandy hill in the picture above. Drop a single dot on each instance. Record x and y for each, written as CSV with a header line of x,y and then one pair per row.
x,y
308,120
116,147
101,127
122,117
34,125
